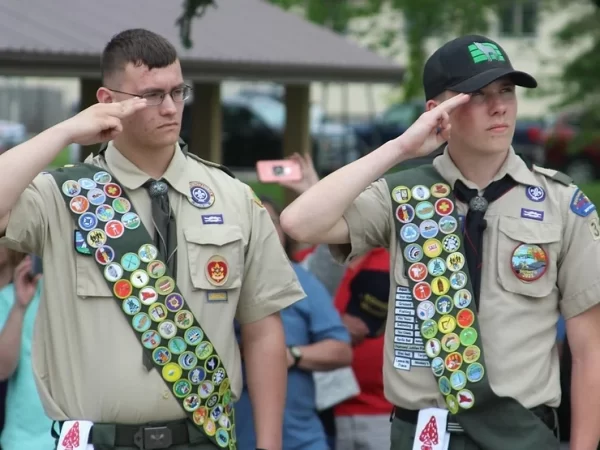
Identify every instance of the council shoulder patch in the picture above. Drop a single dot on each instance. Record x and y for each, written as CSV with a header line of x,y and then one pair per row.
x,y
581,204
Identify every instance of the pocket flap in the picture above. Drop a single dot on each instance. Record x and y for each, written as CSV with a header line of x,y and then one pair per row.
x,y
217,235
530,232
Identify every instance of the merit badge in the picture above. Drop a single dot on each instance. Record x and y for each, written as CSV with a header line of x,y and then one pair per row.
x,y
455,261
450,342
409,233
211,363
222,438
581,204
114,229
405,213
458,280
165,285
465,318
445,388
420,192
168,330
81,246
193,335
453,361
174,302
131,306
444,304
440,285
424,210
425,310
96,238
440,190
535,193
187,360
475,372
217,270
181,388
96,196
139,278
462,298
171,371
113,190
131,220
436,267
184,319
102,177
161,355
148,295
71,188
113,272
433,348
218,376
201,196
437,365
121,205
452,404
216,296
177,345
157,312
446,324
458,380
401,194
422,291
200,415
105,213
466,399
417,272
471,354
209,426
86,183
468,336
429,229
156,269
79,204
532,214
413,253
451,243
529,262
212,219
141,322
148,252
432,248
87,221
444,207
130,262
122,289
225,422
105,255
203,350
150,339
448,224
191,402
197,375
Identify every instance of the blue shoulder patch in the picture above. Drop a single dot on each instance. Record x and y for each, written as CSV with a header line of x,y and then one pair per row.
x,y
581,204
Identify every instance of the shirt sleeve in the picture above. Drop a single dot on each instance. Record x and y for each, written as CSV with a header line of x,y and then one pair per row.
x,y
579,262
369,223
28,221
270,283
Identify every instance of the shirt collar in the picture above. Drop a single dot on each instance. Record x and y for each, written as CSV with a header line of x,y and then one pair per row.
x,y
130,176
513,165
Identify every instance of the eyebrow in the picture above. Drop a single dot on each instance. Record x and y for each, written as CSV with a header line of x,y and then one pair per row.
x,y
153,90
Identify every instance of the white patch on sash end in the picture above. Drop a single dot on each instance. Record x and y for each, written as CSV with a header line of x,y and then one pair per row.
x,y
74,435
431,433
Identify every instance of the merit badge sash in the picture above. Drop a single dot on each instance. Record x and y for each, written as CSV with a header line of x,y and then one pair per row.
x,y
440,295
147,294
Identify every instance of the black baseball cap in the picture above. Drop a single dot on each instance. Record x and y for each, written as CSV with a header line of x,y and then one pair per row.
x,y
467,64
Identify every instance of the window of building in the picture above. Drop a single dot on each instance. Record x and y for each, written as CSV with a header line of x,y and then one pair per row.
x,y
519,18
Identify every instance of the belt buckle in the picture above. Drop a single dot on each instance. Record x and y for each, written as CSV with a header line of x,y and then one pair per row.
x,y
153,438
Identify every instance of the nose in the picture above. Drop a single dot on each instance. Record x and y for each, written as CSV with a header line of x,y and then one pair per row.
x,y
168,107
497,104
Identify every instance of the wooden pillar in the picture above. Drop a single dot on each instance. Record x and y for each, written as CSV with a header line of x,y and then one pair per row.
x,y
296,138
206,127
87,97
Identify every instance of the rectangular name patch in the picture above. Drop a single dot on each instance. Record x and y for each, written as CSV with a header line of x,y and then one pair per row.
x,y
212,219
532,214
216,296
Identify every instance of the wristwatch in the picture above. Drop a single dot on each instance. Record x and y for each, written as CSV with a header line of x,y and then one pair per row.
x,y
296,353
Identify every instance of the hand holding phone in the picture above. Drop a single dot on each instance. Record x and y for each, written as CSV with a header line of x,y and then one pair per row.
x,y
274,171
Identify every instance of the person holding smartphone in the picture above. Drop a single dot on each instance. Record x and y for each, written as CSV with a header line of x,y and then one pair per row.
x,y
26,426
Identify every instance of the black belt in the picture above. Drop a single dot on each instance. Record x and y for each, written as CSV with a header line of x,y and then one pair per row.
x,y
145,437
545,413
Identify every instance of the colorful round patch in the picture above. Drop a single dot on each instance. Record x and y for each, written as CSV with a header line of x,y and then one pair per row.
x,y
458,280
87,221
209,426
424,210
443,304
141,322
191,402
429,329
177,345
432,248
71,188
429,228
148,295
171,372
181,388
444,385
422,291
475,372
200,415
130,262
224,387
122,289
102,177
471,354
113,272
448,224
401,194
453,361
113,190
225,422
96,238
444,206
452,404
439,190
197,375
121,205
217,270
425,310
158,312
151,339
211,364
86,183
405,213
216,413
184,319
167,329
451,243
193,335
529,262
468,336
437,366
131,306
165,285
455,261
450,342
139,278
161,355
413,253
417,272
105,213
436,267
174,302
114,229
219,376
156,269
205,389
440,285
458,380
204,350
535,193
148,253
465,318
409,233
201,196
131,221
462,298
465,399
222,438
446,324
104,255
96,196
433,348
420,192
187,360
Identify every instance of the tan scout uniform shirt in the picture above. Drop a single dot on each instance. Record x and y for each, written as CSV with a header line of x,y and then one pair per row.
x,y
517,319
86,358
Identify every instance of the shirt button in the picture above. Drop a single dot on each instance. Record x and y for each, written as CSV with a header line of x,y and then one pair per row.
x,y
166,395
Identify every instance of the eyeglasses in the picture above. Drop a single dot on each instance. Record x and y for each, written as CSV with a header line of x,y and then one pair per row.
x,y
179,94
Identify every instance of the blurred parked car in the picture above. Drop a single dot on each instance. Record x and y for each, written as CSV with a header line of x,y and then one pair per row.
x,y
11,134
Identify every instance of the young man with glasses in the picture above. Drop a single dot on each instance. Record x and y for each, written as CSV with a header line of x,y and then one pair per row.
x,y
149,255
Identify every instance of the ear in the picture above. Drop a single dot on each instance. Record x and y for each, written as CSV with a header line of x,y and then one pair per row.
x,y
430,105
104,95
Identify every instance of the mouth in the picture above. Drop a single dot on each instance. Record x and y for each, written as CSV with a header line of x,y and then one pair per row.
x,y
498,128
169,125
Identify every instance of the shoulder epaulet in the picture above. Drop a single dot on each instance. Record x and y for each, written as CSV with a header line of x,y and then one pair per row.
x,y
555,175
212,164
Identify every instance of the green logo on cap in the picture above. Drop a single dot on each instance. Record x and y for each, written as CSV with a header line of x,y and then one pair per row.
x,y
481,52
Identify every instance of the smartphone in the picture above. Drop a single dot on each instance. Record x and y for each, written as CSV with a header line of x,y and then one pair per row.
x,y
272,171
36,266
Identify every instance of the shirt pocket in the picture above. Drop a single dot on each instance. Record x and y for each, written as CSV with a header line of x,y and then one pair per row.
x,y
216,258
90,279
523,272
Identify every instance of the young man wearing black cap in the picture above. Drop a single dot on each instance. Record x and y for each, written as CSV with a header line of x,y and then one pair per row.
x,y
485,251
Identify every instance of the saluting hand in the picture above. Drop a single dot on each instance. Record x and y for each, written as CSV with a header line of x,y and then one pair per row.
x,y
431,129
101,122
25,285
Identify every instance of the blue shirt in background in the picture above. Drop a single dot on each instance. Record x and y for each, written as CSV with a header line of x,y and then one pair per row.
x,y
561,330
307,321
27,427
